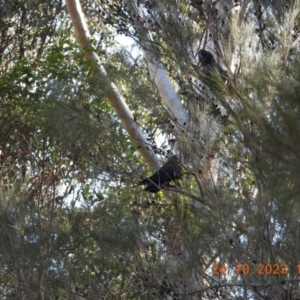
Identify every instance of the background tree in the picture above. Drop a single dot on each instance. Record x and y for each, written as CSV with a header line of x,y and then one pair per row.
x,y
74,224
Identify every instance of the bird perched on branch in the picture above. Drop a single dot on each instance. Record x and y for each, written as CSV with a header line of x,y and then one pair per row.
x,y
170,171
209,65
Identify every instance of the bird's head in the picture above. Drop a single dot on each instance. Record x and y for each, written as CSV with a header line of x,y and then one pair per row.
x,y
206,58
174,159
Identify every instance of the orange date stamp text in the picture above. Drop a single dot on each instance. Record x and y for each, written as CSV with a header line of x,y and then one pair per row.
x,y
259,269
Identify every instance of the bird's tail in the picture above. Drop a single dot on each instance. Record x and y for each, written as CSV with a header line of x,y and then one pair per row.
x,y
144,181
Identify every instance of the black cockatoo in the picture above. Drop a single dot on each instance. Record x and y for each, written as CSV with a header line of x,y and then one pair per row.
x,y
170,171
209,65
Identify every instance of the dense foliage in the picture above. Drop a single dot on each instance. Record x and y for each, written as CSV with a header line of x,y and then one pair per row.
x,y
73,222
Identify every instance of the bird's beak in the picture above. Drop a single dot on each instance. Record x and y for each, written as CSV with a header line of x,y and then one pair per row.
x,y
201,57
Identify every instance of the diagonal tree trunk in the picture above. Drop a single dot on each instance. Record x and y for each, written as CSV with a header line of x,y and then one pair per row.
x,y
114,96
